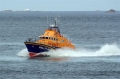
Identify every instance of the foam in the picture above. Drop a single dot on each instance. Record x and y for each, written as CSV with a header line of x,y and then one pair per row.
x,y
105,50
23,53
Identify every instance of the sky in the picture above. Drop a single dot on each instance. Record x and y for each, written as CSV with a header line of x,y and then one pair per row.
x,y
60,5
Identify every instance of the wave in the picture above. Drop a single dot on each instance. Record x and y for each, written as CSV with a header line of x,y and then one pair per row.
x,y
105,50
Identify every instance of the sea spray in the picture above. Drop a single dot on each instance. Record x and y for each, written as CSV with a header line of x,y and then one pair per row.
x,y
23,53
105,50
108,50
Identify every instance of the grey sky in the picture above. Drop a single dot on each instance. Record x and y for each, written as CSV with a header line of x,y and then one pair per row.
x,y
60,5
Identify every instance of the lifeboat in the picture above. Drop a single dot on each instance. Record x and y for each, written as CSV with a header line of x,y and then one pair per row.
x,y
52,39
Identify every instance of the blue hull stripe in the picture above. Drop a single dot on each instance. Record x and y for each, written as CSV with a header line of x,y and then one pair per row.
x,y
36,48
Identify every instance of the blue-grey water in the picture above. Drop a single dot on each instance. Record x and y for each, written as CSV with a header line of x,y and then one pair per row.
x,y
95,34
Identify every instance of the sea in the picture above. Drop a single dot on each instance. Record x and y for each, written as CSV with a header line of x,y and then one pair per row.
x,y
96,35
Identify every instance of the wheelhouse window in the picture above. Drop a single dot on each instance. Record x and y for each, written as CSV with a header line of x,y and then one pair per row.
x,y
41,37
51,38
56,39
46,37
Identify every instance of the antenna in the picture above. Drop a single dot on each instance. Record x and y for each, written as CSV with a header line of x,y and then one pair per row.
x,y
55,22
58,21
47,19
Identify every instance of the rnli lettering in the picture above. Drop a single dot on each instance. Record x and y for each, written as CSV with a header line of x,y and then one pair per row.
x,y
41,47
32,46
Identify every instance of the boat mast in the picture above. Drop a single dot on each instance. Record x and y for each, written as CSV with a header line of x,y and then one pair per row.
x,y
55,22
56,27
